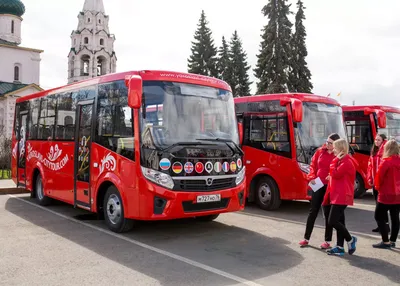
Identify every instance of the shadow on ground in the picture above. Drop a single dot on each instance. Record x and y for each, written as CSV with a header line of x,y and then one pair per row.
x,y
239,251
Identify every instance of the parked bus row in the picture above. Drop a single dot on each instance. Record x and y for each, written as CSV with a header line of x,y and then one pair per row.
x,y
154,145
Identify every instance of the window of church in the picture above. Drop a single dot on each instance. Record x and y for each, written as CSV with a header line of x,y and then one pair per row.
x,y
12,27
86,40
101,42
16,73
88,20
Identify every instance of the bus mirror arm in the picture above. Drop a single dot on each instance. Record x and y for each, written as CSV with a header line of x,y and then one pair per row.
x,y
134,84
240,128
380,114
296,107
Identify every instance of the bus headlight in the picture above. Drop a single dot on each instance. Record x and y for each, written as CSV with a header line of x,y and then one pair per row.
x,y
158,177
240,176
304,167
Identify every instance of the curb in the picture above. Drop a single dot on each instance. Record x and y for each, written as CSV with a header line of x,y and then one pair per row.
x,y
13,191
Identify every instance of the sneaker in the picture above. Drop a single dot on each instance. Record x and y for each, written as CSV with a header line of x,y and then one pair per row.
x,y
393,244
352,245
303,243
382,245
339,251
326,245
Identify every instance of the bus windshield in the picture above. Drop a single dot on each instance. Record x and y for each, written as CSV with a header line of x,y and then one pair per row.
x,y
174,113
392,129
319,121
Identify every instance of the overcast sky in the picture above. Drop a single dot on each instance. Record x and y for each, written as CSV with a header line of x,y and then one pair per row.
x,y
353,45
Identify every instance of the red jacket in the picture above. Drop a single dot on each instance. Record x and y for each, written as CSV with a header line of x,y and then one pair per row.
x,y
341,185
320,163
374,162
387,181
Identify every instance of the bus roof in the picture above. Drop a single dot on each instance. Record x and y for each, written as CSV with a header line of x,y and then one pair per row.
x,y
277,96
147,75
381,107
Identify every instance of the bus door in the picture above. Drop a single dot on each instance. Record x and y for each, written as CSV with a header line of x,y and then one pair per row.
x,y
83,142
21,135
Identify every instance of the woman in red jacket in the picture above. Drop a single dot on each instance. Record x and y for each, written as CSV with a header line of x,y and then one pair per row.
x,y
319,168
387,183
373,164
339,195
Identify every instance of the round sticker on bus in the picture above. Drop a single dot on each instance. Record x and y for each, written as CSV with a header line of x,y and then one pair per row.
x,y
188,167
209,167
239,163
199,167
225,167
217,167
165,164
233,166
177,168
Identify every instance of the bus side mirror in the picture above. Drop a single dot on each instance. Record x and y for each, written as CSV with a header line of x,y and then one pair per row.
x,y
296,107
135,91
240,128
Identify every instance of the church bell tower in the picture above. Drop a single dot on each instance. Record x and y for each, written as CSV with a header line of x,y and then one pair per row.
x,y
92,46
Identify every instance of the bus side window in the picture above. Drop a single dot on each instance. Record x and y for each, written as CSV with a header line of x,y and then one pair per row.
x,y
114,127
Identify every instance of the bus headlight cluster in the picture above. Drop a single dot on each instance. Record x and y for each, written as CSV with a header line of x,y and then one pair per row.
x,y
304,167
240,176
158,177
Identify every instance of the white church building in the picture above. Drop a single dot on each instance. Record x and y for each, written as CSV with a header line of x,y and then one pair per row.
x,y
92,45
19,66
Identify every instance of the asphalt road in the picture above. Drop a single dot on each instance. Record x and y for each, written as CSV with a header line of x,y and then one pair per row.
x,y
60,245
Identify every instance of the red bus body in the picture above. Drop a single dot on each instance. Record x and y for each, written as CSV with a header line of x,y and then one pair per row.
x,y
363,123
278,149
66,160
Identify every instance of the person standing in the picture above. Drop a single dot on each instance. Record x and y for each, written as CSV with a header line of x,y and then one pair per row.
x,y
339,195
319,168
373,164
388,185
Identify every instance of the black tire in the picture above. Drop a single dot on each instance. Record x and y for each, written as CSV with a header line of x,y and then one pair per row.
x,y
267,194
359,187
207,217
114,212
41,198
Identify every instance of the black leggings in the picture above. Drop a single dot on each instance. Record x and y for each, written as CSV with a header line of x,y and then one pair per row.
x,y
381,216
316,201
375,192
337,221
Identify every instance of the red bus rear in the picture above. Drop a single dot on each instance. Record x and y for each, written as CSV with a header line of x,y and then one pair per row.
x,y
281,134
363,123
91,144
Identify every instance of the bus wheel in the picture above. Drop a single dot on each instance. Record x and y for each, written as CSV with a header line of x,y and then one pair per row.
x,y
267,194
207,217
42,199
359,187
114,212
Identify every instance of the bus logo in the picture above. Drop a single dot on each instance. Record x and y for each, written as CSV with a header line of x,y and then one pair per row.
x,y
108,163
209,182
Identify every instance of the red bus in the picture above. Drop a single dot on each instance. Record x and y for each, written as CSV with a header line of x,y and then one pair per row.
x,y
363,123
92,145
281,134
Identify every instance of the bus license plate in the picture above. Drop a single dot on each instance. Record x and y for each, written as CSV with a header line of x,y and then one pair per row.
x,y
208,198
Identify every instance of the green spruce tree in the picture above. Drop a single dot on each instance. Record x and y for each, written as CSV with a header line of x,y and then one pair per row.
x,y
224,62
240,81
300,75
203,59
274,57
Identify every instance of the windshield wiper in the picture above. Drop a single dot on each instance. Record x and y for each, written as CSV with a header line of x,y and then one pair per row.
x,y
226,141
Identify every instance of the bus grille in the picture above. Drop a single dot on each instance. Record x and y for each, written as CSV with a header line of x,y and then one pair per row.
x,y
200,185
189,206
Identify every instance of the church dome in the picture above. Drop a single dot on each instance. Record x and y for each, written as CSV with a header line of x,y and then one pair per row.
x,y
13,7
